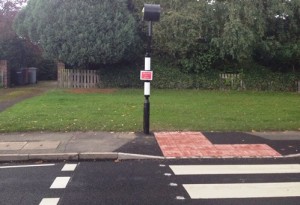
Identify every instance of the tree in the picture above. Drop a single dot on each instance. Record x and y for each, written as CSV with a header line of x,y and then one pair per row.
x,y
182,34
80,33
258,28
8,11
196,35
7,6
279,46
12,48
19,51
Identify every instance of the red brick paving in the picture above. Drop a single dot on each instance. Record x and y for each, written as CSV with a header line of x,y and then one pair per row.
x,y
195,144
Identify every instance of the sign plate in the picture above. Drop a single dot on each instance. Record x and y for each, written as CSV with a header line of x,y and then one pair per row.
x,y
146,75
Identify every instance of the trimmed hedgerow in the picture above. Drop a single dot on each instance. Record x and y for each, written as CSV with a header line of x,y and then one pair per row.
x,y
171,77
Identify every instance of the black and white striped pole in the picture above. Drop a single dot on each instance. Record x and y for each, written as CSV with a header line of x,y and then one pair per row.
x,y
151,14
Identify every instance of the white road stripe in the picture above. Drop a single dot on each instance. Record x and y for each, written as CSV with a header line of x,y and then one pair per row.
x,y
69,167
27,166
60,183
49,201
234,169
253,190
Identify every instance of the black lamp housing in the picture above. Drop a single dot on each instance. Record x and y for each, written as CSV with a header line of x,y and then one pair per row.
x,y
151,12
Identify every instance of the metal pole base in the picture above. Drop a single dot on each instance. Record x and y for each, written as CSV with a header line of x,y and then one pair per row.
x,y
147,116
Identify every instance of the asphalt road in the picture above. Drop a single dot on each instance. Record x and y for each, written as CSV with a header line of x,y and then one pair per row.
x,y
146,182
26,185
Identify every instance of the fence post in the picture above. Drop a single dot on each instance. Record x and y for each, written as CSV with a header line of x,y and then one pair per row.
x,y
60,68
6,73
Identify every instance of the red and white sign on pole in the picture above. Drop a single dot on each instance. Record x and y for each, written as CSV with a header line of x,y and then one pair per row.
x,y
146,75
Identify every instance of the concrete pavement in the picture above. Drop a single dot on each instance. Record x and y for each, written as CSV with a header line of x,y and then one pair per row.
x,y
71,146
161,145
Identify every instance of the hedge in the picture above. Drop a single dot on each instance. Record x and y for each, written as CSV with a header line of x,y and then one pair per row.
x,y
170,77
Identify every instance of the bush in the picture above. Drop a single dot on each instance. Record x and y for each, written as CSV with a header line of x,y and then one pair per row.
x,y
261,79
119,76
207,81
170,77
80,32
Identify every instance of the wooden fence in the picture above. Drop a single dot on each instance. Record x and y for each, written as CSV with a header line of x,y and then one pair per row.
x,y
73,78
1,78
4,74
232,80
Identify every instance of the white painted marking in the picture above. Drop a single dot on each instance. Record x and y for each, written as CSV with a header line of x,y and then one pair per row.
x,y
253,190
60,183
147,63
69,167
173,184
137,156
168,174
147,88
235,169
49,201
180,198
27,166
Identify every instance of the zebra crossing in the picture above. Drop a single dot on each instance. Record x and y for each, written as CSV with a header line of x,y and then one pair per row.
x,y
279,186
59,183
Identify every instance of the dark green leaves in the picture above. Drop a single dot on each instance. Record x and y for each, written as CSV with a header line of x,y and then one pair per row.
x,y
80,32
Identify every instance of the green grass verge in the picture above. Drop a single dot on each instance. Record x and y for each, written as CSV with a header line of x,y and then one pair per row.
x,y
170,110
10,95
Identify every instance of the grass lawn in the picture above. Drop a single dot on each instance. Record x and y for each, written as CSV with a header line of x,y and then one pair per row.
x,y
122,110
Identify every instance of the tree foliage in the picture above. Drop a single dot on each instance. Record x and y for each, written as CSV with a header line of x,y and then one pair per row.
x,y
8,10
8,6
80,32
17,51
197,35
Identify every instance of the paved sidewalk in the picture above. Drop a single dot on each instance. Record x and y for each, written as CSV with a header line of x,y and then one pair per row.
x,y
77,146
161,145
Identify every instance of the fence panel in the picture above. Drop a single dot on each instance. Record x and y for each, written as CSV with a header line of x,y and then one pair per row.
x,y
1,78
74,78
231,80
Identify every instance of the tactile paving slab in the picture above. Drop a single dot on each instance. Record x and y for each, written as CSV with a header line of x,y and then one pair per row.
x,y
195,144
